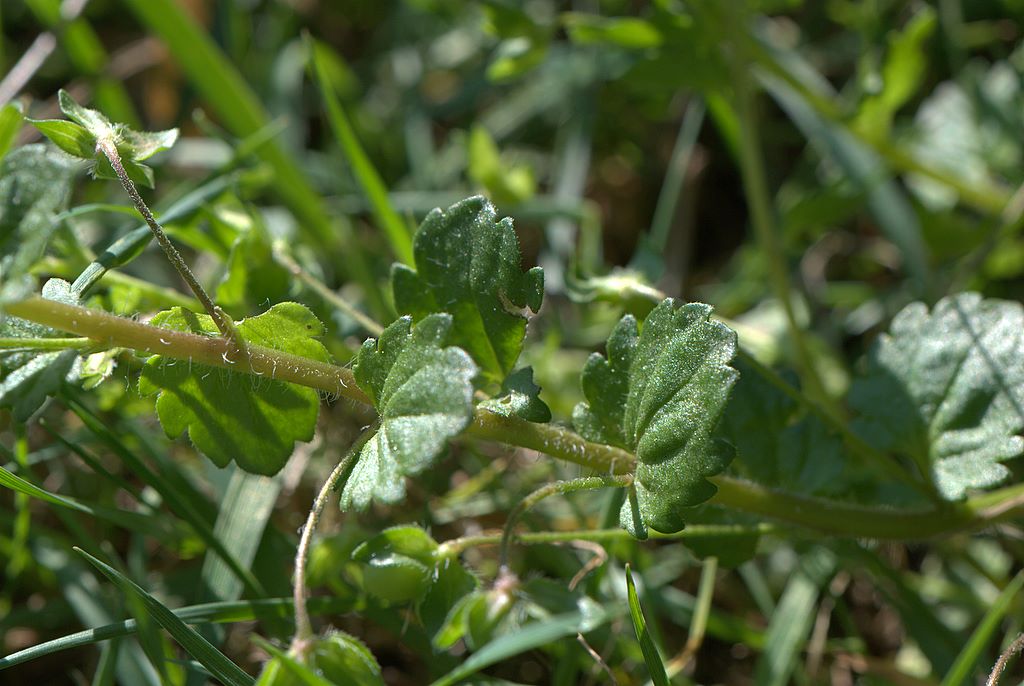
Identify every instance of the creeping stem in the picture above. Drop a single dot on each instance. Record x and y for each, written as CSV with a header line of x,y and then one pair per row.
x,y
817,514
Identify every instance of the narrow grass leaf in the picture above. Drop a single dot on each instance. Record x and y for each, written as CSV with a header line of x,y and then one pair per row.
x,y
395,229
195,645
655,665
220,613
791,622
529,637
967,661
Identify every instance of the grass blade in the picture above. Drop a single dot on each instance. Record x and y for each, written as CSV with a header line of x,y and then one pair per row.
x,y
655,665
967,660
219,613
245,510
395,229
190,640
239,108
529,637
791,622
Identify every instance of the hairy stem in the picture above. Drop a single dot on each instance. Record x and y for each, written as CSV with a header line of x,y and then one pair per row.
x,y
303,625
556,488
817,514
106,146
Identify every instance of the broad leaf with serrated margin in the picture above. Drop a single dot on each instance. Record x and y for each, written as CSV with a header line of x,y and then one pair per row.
x,y
467,264
424,395
946,388
252,420
659,394
28,377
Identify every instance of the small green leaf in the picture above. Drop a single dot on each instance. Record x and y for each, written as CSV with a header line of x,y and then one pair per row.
x,y
87,127
11,121
659,394
72,138
424,395
946,388
655,665
467,264
398,564
231,415
520,397
338,658
27,378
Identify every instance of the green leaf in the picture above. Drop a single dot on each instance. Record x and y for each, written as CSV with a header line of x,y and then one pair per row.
x,y
424,395
195,645
27,378
10,123
777,444
659,394
397,564
34,187
87,127
946,388
72,138
467,264
231,415
520,397
655,665
334,659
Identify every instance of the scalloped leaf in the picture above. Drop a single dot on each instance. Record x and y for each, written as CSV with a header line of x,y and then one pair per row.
x,y
424,395
467,264
946,388
254,421
660,393
520,397
28,377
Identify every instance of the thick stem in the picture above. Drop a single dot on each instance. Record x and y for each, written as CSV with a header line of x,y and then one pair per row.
x,y
558,487
818,514
303,626
106,146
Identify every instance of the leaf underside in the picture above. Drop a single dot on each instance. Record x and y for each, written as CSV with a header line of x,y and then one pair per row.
x,y
660,393
423,393
34,186
467,264
252,420
946,388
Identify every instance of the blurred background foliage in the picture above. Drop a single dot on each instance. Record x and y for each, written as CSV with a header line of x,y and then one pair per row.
x,y
614,133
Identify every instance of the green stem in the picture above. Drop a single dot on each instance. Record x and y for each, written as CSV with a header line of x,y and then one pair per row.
x,y
303,625
763,221
45,343
106,146
586,483
321,289
822,515
456,546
